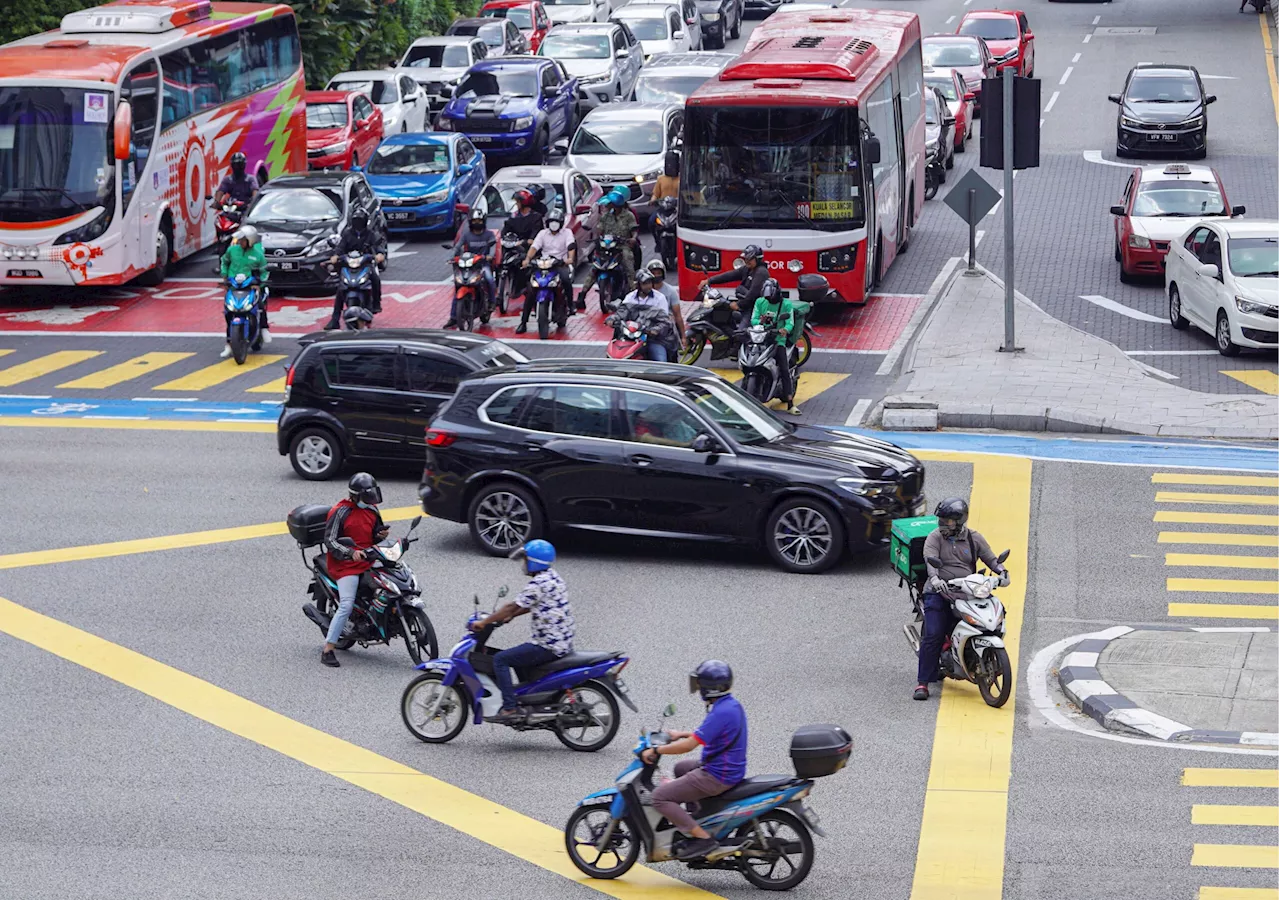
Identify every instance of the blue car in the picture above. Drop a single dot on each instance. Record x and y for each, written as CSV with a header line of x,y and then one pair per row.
x,y
421,176
514,107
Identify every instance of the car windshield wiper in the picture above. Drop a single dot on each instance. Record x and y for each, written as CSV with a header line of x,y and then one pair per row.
x,y
1272,274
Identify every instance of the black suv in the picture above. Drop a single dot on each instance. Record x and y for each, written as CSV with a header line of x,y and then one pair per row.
x,y
660,450
369,394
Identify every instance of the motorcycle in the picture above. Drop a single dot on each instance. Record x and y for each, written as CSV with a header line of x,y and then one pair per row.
x,y
389,604
226,223
975,651
760,376
607,275
711,323
355,280
575,696
470,293
634,326
764,827
548,294
510,278
664,232
243,301
934,174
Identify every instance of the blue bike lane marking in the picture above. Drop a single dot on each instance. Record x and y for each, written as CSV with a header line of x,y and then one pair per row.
x,y
141,408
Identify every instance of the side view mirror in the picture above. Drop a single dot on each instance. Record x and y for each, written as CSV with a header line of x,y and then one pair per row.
x,y
1117,210
359,125
705,443
417,520
677,36
1237,211
933,561
583,209
970,95
948,120
210,197
465,168
123,130
462,209
1208,270
1212,98
668,711
503,591
1114,98
1029,36
357,168
1002,557
871,151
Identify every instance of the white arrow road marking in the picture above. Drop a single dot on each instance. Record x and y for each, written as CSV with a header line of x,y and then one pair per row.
x,y
1108,303
1095,156
1221,77
394,251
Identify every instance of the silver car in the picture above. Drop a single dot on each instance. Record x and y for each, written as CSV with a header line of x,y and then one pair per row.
x,y
672,77
438,64
599,56
625,144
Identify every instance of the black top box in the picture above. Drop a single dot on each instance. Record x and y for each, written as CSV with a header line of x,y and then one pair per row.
x,y
306,524
818,750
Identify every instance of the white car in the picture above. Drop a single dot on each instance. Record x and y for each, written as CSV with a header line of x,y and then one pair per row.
x,y
688,11
402,100
625,145
1222,277
658,28
438,64
563,12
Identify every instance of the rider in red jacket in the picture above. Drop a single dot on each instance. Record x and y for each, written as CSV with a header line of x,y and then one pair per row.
x,y
355,518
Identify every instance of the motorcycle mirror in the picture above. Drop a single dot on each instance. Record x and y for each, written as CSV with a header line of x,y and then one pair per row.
x,y
668,711
476,600
414,524
933,561
1003,556
503,591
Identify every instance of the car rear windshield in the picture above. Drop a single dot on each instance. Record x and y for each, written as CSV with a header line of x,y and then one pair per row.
x,y
951,54
1002,28
495,354
380,92
437,56
1254,256
575,46
518,14
498,199
1163,89
501,81
1179,198
946,85
326,115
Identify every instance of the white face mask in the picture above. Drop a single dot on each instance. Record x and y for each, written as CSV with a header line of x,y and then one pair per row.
x,y
553,227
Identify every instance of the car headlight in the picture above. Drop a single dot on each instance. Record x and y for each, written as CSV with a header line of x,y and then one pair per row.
x,y
711,17
333,148
436,196
1140,242
648,176
1130,123
861,487
1192,123
595,79
522,123
1252,308
91,230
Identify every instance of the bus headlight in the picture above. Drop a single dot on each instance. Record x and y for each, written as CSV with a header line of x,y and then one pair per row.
x,y
701,259
794,266
838,259
89,231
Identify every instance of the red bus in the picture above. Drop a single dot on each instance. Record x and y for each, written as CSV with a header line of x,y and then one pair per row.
x,y
812,147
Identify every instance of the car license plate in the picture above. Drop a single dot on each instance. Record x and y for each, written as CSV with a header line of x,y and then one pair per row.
x,y
481,139
284,266
25,273
1162,137
399,216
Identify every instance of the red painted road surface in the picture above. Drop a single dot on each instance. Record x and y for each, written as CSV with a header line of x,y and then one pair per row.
x,y
195,307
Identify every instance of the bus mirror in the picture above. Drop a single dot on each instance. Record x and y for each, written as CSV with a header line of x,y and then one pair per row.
x,y
123,130
871,151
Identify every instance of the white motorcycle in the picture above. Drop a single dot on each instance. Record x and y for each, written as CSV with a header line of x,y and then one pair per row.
x,y
975,651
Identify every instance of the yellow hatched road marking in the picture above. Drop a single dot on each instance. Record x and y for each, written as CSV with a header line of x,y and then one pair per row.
x,y
271,387
1230,499
1223,611
1262,380
5,352
517,834
126,371
1223,585
1225,561
968,789
218,373
1216,814
1245,778
811,384
1237,893
43,365
1237,480
1211,518
1236,856
1218,537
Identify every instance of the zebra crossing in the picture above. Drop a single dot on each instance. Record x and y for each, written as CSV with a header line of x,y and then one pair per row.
x,y
1239,834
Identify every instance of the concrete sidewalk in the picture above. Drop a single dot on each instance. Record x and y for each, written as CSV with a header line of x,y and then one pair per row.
x,y
953,375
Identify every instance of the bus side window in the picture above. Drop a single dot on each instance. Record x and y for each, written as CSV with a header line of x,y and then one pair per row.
x,y
910,80
142,89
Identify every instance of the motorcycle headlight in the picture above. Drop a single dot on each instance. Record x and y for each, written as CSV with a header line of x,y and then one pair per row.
x,y
1140,242
1249,307
89,231
861,487
392,553
522,123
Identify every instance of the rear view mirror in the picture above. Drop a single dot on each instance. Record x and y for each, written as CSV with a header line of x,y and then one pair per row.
x,y
1208,270
933,561
465,169
1117,210
462,208
949,120
582,209
871,151
123,133
677,36
624,53
668,711
1002,557
1212,98
971,96
416,521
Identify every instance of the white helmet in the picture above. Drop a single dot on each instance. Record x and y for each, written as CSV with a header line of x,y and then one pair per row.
x,y
246,232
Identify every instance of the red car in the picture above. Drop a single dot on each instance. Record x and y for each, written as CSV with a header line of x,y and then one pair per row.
x,y
1007,34
528,15
343,128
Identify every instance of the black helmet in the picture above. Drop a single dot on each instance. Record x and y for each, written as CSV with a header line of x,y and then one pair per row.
x,y
360,220
363,488
771,290
671,164
238,162
753,251
952,515
555,215
539,191
478,218
357,317
711,679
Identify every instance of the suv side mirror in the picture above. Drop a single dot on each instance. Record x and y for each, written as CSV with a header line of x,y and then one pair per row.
x,y
1114,98
584,209
1117,210
465,168
1237,211
1211,98
705,443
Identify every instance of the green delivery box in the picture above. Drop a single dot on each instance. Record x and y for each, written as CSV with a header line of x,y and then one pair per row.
x,y
906,545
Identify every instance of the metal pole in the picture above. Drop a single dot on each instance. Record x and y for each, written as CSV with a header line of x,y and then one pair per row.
x,y
973,228
1008,210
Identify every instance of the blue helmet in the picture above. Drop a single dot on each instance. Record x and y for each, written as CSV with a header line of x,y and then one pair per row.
x,y
713,678
619,197
538,555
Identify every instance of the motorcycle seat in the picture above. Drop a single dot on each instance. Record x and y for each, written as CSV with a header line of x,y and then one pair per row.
x,y
571,661
755,784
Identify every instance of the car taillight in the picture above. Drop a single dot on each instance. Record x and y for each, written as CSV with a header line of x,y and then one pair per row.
x,y
288,383
437,438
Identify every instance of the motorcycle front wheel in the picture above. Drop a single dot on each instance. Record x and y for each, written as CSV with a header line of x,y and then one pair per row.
x,y
239,346
583,833
604,291
544,320
449,720
421,638
589,717
995,676
466,312
754,384
785,858
693,347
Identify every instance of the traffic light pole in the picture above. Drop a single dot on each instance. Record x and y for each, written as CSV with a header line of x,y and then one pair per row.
x,y
1009,344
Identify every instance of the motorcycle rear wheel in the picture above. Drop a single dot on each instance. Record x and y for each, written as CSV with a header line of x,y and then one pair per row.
x,y
418,697
544,320
583,831
693,348
422,636
995,676
597,701
787,842
500,294
466,313
605,292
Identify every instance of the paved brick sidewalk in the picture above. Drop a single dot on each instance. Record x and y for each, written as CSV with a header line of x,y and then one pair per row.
x,y
1064,380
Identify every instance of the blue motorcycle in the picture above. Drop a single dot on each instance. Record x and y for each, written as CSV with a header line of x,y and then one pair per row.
x,y
243,301
607,274
355,280
545,282
764,828
575,696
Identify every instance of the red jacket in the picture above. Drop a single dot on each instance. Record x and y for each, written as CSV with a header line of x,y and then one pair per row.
x,y
350,521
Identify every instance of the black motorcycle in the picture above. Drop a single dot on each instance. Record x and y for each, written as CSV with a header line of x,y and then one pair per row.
x,y
935,173
713,322
664,232
760,376
510,278
355,280
607,275
389,603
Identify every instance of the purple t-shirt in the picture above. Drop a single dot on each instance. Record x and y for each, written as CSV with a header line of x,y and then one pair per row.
x,y
723,736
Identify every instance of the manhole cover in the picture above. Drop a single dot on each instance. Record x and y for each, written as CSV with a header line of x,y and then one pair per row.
x,y
1123,30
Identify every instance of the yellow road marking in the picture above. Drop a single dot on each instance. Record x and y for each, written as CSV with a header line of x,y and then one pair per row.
x,y
1225,561
1223,611
135,424
169,542
218,373
810,385
1217,814
1246,778
1235,893
1235,856
1271,65
517,834
968,789
271,387
1222,585
126,371
1231,499
5,352
1211,518
1263,380
1192,478
43,365
1218,537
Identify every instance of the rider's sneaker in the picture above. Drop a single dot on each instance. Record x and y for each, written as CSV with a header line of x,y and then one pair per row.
x,y
331,325
697,848
226,351
794,410
452,323
266,336
522,328
328,658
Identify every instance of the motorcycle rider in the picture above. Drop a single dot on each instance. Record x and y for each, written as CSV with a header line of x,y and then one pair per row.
x,y
359,237
750,277
559,243
723,738
547,598
959,548
617,220
667,185
658,270
539,192
237,186
524,224
244,256
658,348
477,239
771,302
356,518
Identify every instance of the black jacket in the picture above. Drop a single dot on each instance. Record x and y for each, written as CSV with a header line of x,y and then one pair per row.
x,y
750,281
367,241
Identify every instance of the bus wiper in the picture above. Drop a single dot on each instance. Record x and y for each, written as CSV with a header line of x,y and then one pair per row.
x,y
47,190
787,202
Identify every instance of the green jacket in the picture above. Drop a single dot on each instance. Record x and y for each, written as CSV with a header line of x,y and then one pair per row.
x,y
783,314
239,261
620,223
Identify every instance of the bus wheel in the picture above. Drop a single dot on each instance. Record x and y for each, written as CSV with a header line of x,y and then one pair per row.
x,y
164,249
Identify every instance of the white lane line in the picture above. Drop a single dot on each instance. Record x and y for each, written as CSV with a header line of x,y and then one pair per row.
x,y
131,418
1066,75
1108,303
1095,156
950,20
859,410
1041,122
1086,38
26,396
166,399
977,238
1097,19
1052,100
1076,58
1171,352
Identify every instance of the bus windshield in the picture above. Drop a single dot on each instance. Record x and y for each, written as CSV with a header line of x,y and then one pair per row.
x,y
782,166
55,152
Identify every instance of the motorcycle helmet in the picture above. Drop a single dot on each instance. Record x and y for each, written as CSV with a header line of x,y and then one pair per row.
x,y
952,515
238,164
359,220
713,678
657,269
477,218
538,555
357,318
524,199
753,251
363,488
555,221
771,290
249,233
538,192
671,164
644,277
618,197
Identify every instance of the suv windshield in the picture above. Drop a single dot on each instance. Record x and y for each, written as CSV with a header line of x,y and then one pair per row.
x,y
500,81
737,412
437,56
1003,28
380,92
667,88
951,54
326,115
613,137
303,204
1254,256
1163,89
409,159
575,46
1178,198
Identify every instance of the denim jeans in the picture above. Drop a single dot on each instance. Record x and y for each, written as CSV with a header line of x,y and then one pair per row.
x,y
348,586
656,351
521,655
938,622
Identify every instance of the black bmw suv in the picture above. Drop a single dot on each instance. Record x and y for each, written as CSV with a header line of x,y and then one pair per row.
x,y
658,450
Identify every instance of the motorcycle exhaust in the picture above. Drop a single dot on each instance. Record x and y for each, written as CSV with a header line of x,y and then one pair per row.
x,y
913,637
321,620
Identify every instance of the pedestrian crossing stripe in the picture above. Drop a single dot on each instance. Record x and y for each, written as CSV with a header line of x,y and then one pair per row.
x,y
1259,379
275,386
218,373
1220,480
1223,585
1219,537
809,385
1214,518
126,371
1213,560
1222,611
1216,814
1238,893
1226,499
1233,778
1236,856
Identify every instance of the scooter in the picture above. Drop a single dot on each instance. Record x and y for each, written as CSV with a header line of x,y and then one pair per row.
x,y
243,301
226,223
575,696
664,232
711,323
547,295
510,278
634,326
471,300
607,275
355,280
764,827
975,651
934,175
760,376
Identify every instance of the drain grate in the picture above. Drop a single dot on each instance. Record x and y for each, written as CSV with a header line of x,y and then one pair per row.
x,y
1123,30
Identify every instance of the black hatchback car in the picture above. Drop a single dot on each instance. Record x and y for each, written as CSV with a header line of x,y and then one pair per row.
x,y
1162,111
657,450
369,394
